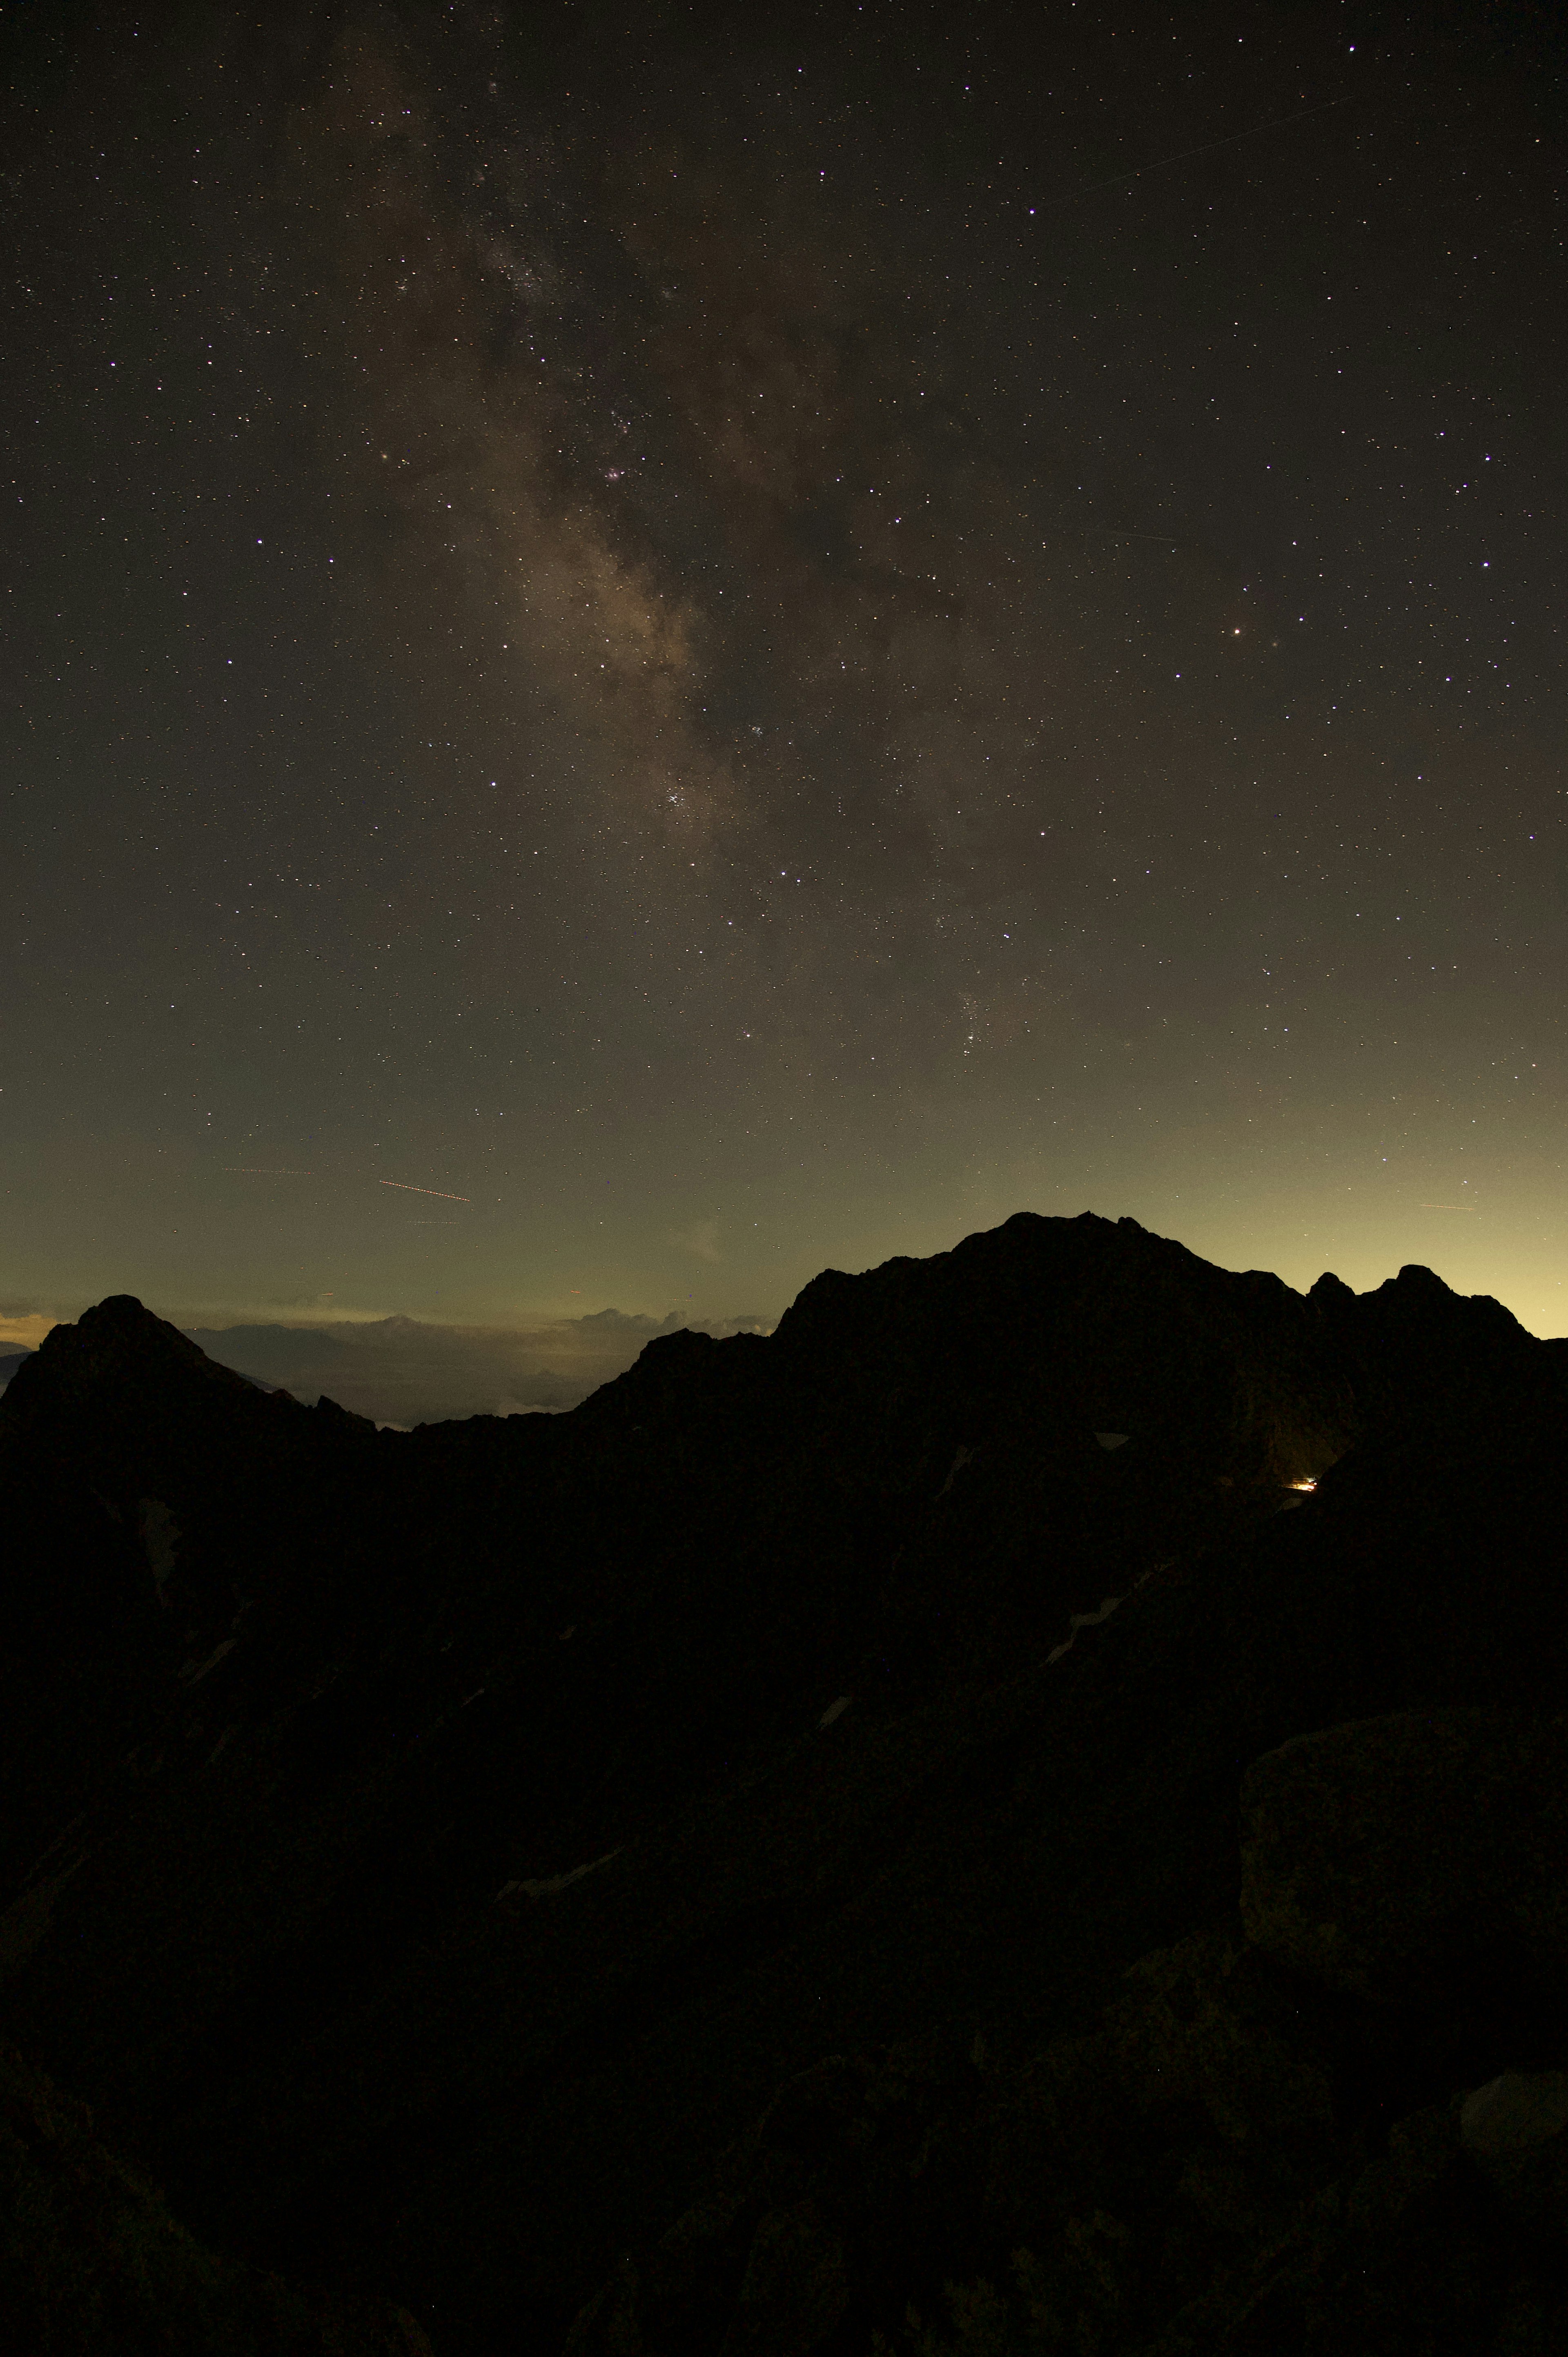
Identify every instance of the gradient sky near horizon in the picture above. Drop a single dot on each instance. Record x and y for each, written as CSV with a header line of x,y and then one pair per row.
x,y
643,651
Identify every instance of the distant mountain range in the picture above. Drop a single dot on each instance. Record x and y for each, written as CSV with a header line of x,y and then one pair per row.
x,y
884,1837
10,1363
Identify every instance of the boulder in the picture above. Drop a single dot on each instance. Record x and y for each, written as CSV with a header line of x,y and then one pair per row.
x,y
1516,2129
1182,2031
1391,1844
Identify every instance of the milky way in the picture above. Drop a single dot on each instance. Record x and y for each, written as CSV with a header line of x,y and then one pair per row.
x,y
732,650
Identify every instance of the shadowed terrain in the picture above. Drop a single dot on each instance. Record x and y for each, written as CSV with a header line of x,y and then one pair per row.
x,y
799,1848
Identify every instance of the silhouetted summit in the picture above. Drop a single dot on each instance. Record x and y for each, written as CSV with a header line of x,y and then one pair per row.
x,y
835,1810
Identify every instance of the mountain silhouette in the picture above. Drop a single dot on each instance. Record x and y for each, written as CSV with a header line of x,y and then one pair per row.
x,y
886,1828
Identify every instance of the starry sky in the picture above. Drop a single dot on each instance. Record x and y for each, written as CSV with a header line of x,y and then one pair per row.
x,y
646,650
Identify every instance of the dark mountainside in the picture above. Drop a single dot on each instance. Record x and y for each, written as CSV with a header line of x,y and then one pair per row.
x,y
651,1880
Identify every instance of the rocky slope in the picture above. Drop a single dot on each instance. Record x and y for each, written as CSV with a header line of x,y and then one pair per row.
x,y
677,1865
91,2258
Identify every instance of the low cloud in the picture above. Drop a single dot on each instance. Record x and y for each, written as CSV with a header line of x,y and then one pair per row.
x,y
401,1370
24,1330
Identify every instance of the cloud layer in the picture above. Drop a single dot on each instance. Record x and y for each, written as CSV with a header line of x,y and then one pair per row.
x,y
403,1370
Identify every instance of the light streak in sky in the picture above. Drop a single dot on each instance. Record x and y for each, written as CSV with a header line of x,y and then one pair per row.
x,y
423,1190
252,1171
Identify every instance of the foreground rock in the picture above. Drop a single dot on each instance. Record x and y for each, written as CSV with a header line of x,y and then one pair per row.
x,y
1376,1853
91,2260
1221,2160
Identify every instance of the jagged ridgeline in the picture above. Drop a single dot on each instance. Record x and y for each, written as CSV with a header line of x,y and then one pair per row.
x,y
883,1837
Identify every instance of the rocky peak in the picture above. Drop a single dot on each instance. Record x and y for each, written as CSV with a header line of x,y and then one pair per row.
x,y
117,1347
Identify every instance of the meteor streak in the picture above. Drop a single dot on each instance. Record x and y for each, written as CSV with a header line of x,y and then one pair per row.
x,y
423,1190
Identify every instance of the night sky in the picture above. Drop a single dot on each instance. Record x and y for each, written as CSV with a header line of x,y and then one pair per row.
x,y
646,651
